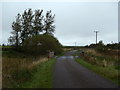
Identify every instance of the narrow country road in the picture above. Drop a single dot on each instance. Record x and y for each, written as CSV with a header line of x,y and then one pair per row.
x,y
70,74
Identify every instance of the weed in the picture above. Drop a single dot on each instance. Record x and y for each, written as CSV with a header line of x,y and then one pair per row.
x,y
18,70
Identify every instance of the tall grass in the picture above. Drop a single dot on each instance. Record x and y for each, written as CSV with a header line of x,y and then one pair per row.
x,y
106,65
101,59
42,77
17,70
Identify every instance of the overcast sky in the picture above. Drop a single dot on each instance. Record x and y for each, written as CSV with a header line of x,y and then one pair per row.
x,y
75,22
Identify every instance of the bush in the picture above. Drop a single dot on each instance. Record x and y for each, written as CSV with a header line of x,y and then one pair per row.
x,y
40,44
101,49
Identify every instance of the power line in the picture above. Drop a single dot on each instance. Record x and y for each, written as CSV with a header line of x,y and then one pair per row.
x,y
96,35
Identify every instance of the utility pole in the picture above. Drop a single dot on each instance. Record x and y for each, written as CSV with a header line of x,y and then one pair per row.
x,y
75,45
96,35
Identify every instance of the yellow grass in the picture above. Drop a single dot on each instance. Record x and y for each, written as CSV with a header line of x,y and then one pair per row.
x,y
35,63
94,52
11,65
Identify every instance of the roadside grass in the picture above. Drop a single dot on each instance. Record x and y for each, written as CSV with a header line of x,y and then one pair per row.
x,y
21,70
17,68
107,72
42,77
11,67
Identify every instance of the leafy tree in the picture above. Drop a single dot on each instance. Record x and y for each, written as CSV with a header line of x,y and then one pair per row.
x,y
11,40
40,44
37,22
49,26
16,26
34,32
27,28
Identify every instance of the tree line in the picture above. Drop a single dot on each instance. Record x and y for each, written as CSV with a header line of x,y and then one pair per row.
x,y
31,23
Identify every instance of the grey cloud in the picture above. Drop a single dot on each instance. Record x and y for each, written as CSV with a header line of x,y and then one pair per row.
x,y
75,22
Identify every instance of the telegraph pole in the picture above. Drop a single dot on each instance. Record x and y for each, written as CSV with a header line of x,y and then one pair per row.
x,y
75,45
96,35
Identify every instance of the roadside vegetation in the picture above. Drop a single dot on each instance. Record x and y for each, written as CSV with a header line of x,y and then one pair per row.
x,y
27,59
27,62
33,33
107,72
42,77
22,71
47,43
102,60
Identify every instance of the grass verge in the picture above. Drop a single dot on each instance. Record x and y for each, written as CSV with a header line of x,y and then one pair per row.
x,y
18,70
42,77
107,72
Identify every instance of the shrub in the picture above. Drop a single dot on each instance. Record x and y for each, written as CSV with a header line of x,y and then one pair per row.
x,y
40,44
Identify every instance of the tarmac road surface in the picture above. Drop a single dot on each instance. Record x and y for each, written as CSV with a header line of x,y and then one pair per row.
x,y
70,74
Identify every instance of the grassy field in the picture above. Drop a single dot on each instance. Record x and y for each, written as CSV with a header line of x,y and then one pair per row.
x,y
107,72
